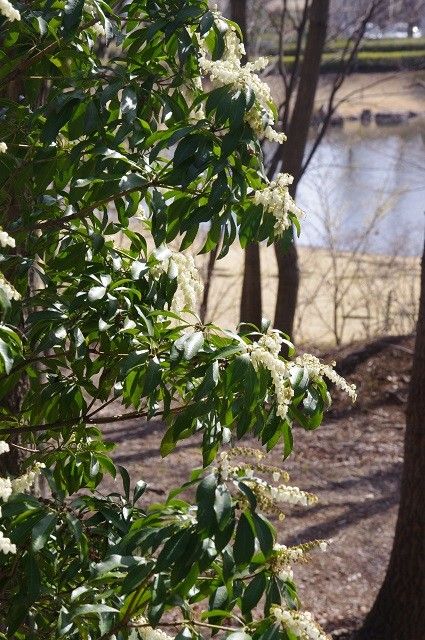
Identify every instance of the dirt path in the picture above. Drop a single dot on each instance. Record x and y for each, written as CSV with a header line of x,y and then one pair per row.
x,y
353,463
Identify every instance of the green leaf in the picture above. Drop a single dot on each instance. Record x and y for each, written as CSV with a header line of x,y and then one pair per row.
x,y
135,576
299,378
42,530
209,382
72,15
206,23
153,376
85,609
222,505
139,489
193,345
244,546
125,480
264,534
6,356
129,104
253,593
205,498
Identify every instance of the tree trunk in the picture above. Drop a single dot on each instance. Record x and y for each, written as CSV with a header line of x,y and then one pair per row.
x,y
287,288
251,304
399,609
251,300
212,258
292,156
238,15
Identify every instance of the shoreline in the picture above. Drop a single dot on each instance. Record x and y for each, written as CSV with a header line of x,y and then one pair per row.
x,y
401,92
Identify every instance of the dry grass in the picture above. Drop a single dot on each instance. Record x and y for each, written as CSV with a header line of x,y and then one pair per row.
x,y
342,297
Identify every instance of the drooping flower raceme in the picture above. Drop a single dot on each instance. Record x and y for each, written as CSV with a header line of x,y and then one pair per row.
x,y
317,368
146,632
265,353
6,546
5,489
300,623
8,10
6,240
230,71
182,267
8,290
276,199
24,483
283,557
292,495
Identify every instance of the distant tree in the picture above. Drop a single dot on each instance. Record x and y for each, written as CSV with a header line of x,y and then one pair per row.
x,y
399,609
411,11
309,27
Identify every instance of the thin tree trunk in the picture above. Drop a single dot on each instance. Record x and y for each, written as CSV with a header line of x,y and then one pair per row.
x,y
251,304
293,152
207,286
399,609
287,288
251,300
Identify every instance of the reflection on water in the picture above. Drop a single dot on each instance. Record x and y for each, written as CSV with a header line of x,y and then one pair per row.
x,y
367,177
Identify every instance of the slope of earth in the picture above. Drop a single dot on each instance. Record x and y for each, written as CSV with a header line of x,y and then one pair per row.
x,y
353,463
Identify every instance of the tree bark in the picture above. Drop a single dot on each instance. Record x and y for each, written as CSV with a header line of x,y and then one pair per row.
x,y
292,156
251,300
399,609
238,15
212,258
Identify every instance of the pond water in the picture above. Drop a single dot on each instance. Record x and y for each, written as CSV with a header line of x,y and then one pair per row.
x,y
365,188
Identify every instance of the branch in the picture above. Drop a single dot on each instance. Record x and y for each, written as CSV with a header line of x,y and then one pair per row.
x,y
28,62
356,40
60,424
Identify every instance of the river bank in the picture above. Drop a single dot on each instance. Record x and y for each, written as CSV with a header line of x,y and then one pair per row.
x,y
398,92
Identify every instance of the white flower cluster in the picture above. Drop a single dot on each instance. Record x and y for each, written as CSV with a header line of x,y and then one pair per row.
x,y
292,495
189,285
283,557
24,483
6,240
276,199
5,489
269,497
317,368
21,483
4,447
99,29
265,353
229,70
8,10
3,145
6,546
146,632
8,290
300,623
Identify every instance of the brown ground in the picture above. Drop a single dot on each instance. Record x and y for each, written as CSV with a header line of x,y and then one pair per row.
x,y
353,463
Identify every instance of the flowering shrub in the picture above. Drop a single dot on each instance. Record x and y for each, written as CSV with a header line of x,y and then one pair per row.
x,y
109,164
